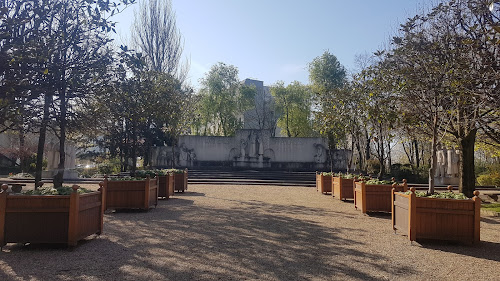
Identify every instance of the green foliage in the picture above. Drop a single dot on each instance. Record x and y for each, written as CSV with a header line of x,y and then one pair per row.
x,y
126,179
352,176
488,174
327,174
377,182
440,195
293,105
109,166
492,178
221,100
409,173
326,73
49,190
329,85
22,175
175,171
159,172
448,195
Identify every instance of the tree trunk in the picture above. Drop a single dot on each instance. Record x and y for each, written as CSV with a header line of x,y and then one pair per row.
x,y
367,147
381,153
173,152
360,154
134,151
432,169
41,139
22,149
467,176
59,176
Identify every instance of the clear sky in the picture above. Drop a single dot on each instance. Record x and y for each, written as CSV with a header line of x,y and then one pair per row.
x,y
273,40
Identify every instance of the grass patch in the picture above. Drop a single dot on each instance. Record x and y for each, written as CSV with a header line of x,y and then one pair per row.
x,y
492,207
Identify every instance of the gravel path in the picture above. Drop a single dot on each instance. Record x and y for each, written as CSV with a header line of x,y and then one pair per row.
x,y
254,233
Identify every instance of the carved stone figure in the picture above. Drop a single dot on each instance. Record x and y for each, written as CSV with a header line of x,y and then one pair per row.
x,y
441,163
320,156
453,157
243,147
162,159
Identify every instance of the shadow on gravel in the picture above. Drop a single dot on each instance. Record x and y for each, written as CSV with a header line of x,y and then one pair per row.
x,y
490,220
184,241
190,193
386,216
483,250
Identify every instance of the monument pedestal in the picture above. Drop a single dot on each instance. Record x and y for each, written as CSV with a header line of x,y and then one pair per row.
x,y
68,174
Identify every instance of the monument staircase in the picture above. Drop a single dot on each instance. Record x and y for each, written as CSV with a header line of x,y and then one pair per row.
x,y
252,177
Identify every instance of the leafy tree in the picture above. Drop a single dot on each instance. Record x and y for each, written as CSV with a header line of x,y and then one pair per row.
x,y
293,105
61,51
327,76
447,64
221,100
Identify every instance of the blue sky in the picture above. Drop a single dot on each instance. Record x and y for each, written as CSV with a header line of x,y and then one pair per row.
x,y
276,39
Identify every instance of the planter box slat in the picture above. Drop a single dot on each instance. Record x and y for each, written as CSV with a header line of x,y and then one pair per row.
x,y
89,206
166,186
140,194
30,210
375,198
323,183
445,211
436,218
343,188
181,181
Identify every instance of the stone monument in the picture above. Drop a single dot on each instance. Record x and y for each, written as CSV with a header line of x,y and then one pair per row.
x,y
52,155
447,166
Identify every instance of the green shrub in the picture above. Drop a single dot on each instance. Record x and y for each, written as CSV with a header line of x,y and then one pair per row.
x,y
110,166
492,207
377,181
441,195
175,171
489,179
49,190
326,174
418,175
126,179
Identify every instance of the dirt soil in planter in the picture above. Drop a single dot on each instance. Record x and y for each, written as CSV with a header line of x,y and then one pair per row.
x,y
253,233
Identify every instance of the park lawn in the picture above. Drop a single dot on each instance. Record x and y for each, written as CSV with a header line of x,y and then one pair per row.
x,y
492,207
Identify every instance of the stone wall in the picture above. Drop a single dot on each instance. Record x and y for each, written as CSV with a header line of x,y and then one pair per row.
x,y
250,149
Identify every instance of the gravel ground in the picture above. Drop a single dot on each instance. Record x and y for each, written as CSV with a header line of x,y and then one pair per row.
x,y
254,233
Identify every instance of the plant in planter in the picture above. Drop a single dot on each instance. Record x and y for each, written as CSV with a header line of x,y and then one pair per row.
x,y
439,216
375,195
165,181
180,179
131,192
324,182
343,186
49,215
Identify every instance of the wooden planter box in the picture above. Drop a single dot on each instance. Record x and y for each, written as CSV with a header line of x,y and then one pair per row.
x,y
343,188
62,219
181,181
323,183
435,218
136,194
166,186
375,198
